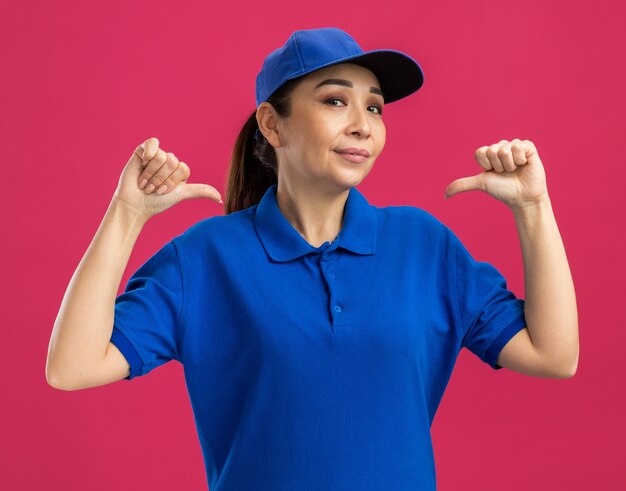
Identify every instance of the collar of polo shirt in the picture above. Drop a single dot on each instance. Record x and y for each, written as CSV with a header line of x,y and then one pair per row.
x,y
283,242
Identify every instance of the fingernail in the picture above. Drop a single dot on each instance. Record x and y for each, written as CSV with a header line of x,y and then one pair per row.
x,y
162,189
220,201
142,183
150,188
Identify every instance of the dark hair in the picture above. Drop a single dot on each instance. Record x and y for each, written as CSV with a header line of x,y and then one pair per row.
x,y
253,163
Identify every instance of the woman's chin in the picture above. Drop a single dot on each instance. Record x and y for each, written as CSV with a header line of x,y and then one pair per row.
x,y
350,179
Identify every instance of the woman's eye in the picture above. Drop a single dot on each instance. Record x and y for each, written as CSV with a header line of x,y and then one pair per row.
x,y
333,99
380,109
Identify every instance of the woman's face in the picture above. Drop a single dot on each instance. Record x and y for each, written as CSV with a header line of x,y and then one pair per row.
x,y
333,109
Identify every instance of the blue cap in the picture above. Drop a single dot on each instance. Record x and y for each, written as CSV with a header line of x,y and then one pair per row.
x,y
310,49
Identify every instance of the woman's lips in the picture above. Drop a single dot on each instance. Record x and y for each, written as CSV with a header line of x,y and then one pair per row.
x,y
357,159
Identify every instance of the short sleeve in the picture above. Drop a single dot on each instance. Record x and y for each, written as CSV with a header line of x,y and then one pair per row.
x,y
489,314
147,314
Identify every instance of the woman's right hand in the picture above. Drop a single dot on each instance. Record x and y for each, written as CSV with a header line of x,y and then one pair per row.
x,y
151,166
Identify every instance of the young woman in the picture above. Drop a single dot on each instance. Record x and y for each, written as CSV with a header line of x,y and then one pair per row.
x,y
317,332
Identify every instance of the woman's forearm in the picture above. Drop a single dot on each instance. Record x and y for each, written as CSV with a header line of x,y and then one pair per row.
x,y
84,324
550,306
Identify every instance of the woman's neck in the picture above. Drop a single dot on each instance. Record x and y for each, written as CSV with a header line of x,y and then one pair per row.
x,y
315,213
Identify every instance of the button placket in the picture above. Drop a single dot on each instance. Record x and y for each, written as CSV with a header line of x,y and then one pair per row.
x,y
335,305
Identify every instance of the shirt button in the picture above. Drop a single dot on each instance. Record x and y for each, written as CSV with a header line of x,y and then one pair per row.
x,y
337,308
325,258
332,275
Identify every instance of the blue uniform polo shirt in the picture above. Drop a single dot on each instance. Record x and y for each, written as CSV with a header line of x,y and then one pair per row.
x,y
315,368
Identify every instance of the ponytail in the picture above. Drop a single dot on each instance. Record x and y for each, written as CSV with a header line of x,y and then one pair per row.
x,y
253,163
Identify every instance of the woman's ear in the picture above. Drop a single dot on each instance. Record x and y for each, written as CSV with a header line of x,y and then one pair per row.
x,y
268,120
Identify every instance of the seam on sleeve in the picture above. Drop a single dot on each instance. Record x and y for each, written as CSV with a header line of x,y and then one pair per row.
x,y
183,302
453,263
124,342
464,331
509,330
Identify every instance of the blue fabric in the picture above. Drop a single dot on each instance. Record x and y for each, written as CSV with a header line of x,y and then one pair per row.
x,y
315,367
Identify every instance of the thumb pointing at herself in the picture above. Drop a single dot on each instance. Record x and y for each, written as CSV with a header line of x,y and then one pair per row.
x,y
195,190
472,183
512,173
154,180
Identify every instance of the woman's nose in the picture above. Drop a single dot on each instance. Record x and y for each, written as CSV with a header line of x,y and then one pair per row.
x,y
359,122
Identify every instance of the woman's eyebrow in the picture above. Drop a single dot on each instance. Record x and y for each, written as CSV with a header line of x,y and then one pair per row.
x,y
347,83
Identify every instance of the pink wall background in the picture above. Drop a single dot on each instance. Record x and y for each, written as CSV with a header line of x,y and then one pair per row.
x,y
83,83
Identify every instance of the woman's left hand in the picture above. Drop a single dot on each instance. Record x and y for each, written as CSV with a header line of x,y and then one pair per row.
x,y
512,173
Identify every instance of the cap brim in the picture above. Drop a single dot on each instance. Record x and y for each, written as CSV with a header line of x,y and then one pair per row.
x,y
399,75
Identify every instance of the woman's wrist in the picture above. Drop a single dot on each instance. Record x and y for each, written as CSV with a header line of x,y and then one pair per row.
x,y
127,215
